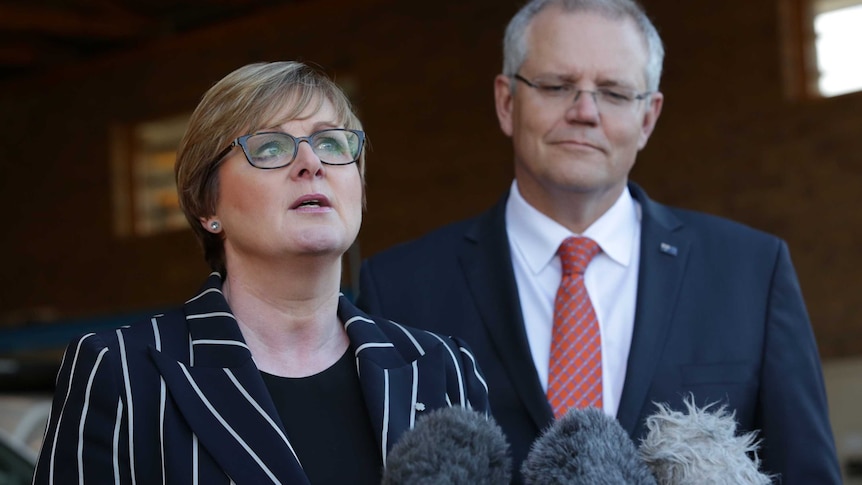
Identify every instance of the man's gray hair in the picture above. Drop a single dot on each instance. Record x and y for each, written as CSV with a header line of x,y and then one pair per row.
x,y
515,40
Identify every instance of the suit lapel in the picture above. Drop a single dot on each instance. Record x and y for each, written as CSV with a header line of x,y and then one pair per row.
x,y
486,260
222,396
664,254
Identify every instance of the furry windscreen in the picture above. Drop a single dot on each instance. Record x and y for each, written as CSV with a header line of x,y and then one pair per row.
x,y
700,447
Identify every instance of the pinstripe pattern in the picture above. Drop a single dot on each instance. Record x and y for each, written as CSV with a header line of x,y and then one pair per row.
x,y
125,364
178,399
162,394
84,413
261,411
116,442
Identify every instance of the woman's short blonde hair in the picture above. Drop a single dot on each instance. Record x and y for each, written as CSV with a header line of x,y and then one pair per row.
x,y
245,101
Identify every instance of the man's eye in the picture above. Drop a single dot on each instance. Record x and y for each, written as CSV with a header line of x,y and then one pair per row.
x,y
615,96
556,89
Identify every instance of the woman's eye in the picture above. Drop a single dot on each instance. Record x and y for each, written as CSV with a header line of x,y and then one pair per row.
x,y
331,145
269,150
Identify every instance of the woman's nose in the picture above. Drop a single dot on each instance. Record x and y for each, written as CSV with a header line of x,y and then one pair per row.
x,y
306,161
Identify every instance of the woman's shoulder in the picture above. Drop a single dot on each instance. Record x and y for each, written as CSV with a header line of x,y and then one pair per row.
x,y
396,332
413,342
452,353
140,333
399,330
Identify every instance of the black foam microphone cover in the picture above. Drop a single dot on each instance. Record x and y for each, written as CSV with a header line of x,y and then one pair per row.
x,y
450,446
587,447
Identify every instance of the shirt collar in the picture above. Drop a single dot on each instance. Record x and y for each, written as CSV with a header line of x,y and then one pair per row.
x,y
536,236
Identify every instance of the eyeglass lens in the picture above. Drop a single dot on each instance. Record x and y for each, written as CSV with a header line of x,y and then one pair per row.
x,y
615,99
605,99
273,150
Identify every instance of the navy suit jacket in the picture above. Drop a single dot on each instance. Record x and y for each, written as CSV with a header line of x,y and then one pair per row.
x,y
719,315
178,398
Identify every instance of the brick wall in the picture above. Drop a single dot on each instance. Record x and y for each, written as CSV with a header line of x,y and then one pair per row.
x,y
729,142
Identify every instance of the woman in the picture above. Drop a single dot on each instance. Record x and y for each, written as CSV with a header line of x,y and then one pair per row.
x,y
268,374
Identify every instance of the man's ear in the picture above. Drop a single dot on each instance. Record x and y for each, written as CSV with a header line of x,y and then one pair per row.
x,y
650,117
503,102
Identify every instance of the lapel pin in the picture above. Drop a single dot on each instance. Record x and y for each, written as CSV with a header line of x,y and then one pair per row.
x,y
668,249
419,406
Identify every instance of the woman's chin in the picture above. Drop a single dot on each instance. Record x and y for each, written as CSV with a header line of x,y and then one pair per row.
x,y
317,243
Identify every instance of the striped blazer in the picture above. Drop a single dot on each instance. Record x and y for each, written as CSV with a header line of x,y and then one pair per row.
x,y
178,399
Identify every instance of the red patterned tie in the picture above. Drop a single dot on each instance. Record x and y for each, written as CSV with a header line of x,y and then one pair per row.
x,y
575,370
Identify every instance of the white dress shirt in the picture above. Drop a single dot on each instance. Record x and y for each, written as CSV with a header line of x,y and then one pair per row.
x,y
611,281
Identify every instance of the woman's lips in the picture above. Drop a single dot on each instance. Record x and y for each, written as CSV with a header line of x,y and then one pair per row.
x,y
311,202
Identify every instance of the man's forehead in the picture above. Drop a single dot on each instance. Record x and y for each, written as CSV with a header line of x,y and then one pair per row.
x,y
574,44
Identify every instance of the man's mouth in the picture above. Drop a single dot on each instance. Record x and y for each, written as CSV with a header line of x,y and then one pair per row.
x,y
578,143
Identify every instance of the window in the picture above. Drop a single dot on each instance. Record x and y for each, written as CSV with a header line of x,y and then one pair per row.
x,y
821,40
145,193
838,34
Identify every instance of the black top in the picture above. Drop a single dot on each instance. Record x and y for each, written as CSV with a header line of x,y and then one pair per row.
x,y
327,424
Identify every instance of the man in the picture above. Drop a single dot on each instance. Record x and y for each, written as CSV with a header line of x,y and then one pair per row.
x,y
686,303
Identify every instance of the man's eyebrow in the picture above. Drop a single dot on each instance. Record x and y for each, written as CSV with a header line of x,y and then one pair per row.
x,y
610,82
613,84
602,82
554,77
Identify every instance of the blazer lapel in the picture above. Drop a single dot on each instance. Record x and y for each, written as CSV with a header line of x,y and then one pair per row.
x,y
387,380
487,264
222,396
390,376
664,254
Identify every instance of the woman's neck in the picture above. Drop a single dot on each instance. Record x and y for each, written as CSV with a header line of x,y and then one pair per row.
x,y
288,314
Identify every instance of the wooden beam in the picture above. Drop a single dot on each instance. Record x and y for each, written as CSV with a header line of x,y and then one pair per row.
x,y
64,23
195,40
798,55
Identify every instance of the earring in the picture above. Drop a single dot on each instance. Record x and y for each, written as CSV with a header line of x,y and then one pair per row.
x,y
215,226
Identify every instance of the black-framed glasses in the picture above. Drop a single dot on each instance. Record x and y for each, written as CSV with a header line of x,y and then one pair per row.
x,y
608,99
275,149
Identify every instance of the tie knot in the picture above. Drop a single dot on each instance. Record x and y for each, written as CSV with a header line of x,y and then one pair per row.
x,y
576,253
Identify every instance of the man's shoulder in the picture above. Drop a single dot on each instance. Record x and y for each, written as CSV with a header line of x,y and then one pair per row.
x,y
708,225
720,238
700,224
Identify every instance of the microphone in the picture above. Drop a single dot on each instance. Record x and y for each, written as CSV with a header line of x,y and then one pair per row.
x,y
588,447
450,446
700,447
